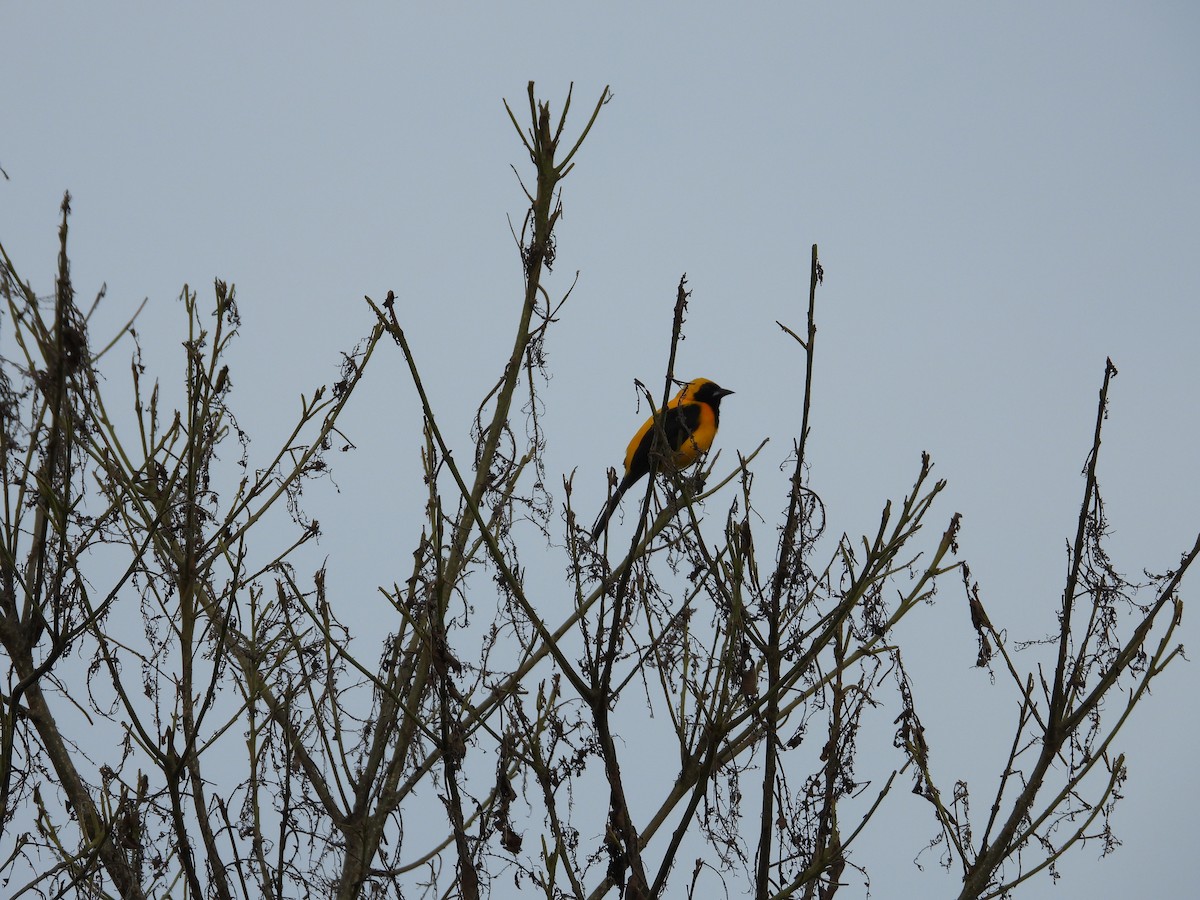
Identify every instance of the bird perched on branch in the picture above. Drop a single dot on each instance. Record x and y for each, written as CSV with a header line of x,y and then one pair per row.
x,y
688,425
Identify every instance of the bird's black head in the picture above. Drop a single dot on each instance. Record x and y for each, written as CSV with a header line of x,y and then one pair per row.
x,y
705,391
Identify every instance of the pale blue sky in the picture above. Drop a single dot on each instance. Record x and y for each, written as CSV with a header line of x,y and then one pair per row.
x,y
1004,195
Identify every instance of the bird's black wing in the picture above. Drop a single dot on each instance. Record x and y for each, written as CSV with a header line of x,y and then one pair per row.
x,y
678,424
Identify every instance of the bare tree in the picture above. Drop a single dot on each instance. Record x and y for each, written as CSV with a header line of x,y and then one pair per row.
x,y
185,714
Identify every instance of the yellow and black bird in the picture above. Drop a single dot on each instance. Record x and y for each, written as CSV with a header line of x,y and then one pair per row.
x,y
689,424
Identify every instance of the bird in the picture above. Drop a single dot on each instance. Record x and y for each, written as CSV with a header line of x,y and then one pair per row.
x,y
689,424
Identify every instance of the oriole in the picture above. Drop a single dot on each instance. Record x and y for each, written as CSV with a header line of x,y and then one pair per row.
x,y
689,424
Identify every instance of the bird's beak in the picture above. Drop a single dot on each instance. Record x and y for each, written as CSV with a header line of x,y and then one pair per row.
x,y
725,392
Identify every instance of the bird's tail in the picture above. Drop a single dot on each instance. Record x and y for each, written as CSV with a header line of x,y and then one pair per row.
x,y
605,514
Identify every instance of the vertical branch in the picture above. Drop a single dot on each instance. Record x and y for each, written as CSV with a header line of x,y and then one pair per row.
x,y
1075,698
1062,668
63,352
538,254
454,748
623,840
827,850
537,244
783,569
620,594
